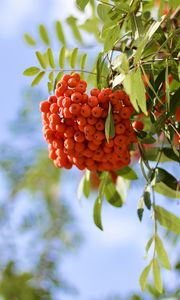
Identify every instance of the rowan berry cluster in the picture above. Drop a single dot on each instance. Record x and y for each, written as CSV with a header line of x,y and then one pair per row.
x,y
74,126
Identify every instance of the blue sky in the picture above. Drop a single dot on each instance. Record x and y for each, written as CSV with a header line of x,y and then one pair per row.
x,y
109,261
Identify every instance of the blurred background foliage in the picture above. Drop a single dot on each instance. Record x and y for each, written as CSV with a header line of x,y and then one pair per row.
x,y
32,213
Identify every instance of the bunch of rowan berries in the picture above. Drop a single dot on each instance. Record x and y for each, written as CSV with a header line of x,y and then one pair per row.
x,y
74,126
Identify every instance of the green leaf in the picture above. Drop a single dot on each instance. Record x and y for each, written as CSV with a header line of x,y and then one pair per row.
x,y
161,252
112,37
44,34
144,277
137,95
31,71
149,243
167,178
140,208
81,4
41,59
121,63
157,276
147,199
112,195
102,11
51,76
167,219
87,185
58,78
72,22
152,29
170,154
29,40
83,61
109,124
127,173
62,57
165,190
84,185
38,78
73,58
50,58
97,212
50,87
60,33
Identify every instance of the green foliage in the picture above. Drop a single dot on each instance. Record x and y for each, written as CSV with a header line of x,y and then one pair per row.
x,y
73,58
81,4
97,212
109,125
167,219
60,33
144,277
162,254
157,275
127,173
44,34
29,40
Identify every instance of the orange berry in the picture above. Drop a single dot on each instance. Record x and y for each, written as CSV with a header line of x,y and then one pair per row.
x,y
97,111
66,102
100,125
127,101
94,92
60,100
69,132
66,77
79,147
81,121
44,106
75,108
60,127
76,76
72,82
120,140
79,137
54,108
69,144
88,153
91,120
125,113
81,86
89,136
89,129
120,128
84,98
99,136
68,93
52,99
120,149
60,88
93,101
66,113
52,155
116,118
92,146
76,97
85,110
55,118
52,126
